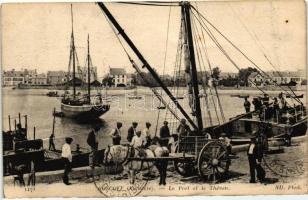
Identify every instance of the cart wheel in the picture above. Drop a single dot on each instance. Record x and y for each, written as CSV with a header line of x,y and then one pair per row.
x,y
184,168
213,161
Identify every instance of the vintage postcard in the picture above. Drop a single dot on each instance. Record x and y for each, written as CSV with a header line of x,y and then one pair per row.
x,y
154,98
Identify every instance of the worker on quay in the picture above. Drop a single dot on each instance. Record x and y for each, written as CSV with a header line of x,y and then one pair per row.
x,y
183,129
51,142
266,100
116,134
67,159
137,141
146,135
227,142
132,131
247,105
20,133
164,134
93,143
254,160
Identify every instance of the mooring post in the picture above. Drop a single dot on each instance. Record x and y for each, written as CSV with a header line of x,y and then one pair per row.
x,y
54,121
19,120
10,123
26,125
34,132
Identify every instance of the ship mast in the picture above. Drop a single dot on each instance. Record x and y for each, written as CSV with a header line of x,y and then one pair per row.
x,y
190,67
145,63
73,51
89,78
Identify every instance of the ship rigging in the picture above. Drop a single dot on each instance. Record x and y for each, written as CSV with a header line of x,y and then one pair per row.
x,y
194,27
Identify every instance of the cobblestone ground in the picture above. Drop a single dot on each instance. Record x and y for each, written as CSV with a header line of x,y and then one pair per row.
x,y
283,166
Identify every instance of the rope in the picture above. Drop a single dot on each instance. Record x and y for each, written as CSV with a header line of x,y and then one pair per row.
x,y
149,3
165,57
261,47
139,72
200,57
245,56
222,50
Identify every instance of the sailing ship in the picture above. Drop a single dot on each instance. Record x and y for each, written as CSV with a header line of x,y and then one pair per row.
x,y
292,120
77,106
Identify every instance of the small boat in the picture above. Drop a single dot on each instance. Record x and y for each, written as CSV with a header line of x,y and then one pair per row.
x,y
161,107
21,151
239,96
52,94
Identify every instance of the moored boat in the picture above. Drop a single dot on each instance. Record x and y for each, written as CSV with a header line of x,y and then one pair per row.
x,y
80,107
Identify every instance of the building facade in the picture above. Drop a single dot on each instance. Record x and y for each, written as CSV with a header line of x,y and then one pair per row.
x,y
56,77
13,78
119,77
280,78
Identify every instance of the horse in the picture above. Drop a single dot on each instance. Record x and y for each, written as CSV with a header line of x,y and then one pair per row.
x,y
125,154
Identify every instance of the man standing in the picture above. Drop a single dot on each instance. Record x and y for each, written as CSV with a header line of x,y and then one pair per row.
x,y
254,160
67,158
146,134
183,129
93,143
116,134
247,105
164,134
137,141
132,131
51,142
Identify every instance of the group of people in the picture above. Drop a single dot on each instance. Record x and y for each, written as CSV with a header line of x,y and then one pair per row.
x,y
267,107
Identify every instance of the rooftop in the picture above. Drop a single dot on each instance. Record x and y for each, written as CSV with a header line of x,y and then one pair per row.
x,y
117,71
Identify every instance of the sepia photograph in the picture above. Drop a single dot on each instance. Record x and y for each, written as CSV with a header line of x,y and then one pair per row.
x,y
154,98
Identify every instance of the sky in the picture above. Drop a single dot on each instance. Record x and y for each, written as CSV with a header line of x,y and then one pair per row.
x,y
38,35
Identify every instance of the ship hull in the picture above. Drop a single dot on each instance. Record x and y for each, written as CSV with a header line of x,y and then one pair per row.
x,y
84,112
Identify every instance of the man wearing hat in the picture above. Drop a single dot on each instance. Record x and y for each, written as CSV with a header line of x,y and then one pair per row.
x,y
183,129
146,135
67,158
164,134
116,134
132,131
93,143
254,160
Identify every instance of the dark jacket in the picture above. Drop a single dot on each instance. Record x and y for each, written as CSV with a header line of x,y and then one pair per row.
x,y
164,132
256,154
130,134
92,140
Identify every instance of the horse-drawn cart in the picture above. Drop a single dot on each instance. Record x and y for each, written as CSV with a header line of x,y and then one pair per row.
x,y
211,157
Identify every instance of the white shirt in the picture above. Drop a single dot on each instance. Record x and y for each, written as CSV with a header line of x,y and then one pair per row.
x,y
137,141
114,132
146,133
66,152
251,147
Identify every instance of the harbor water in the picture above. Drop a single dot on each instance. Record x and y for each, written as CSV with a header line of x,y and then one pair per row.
x,y
39,107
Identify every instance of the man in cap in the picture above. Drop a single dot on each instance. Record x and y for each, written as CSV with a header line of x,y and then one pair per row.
x,y
116,134
183,129
132,131
254,161
146,135
247,105
227,141
67,158
93,143
164,134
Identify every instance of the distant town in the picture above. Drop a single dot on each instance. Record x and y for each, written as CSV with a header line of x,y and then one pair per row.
x,y
118,77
